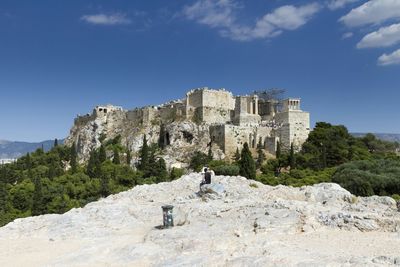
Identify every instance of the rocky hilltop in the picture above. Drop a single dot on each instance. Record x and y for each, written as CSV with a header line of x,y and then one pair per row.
x,y
241,223
205,118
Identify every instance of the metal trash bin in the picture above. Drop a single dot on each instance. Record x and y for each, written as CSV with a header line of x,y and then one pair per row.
x,y
168,218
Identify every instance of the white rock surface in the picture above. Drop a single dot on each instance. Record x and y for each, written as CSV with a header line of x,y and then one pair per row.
x,y
251,224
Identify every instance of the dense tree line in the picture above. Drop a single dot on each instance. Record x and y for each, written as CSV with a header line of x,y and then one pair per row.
x,y
54,182
364,166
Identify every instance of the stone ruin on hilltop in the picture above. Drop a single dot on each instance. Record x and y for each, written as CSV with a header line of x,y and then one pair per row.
x,y
203,118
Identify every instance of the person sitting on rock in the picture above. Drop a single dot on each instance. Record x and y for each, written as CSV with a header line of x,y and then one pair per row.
x,y
206,176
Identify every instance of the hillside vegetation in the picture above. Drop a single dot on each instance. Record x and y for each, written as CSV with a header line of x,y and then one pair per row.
x,y
54,182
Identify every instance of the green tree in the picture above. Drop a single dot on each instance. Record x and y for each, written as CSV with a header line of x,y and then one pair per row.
x,y
37,205
176,173
144,156
292,158
236,158
278,152
198,160
247,164
3,198
128,157
161,170
73,159
116,159
105,185
55,143
102,154
92,169
260,155
161,139
328,146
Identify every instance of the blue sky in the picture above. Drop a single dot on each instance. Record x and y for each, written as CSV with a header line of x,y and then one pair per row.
x,y
61,58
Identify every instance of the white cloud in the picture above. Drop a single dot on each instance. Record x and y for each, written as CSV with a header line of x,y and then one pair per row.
x,y
372,12
220,14
385,36
291,17
391,59
336,4
347,35
212,13
103,19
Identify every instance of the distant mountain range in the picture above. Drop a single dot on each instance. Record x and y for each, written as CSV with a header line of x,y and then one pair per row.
x,y
15,149
382,136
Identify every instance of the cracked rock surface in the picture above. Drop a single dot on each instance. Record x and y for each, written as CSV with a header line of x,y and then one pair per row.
x,y
246,224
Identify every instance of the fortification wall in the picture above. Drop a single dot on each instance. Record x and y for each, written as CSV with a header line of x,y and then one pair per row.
x,y
211,98
215,115
295,128
231,137
82,120
195,98
218,99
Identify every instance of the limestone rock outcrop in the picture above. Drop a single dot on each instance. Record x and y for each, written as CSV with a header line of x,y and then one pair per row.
x,y
248,224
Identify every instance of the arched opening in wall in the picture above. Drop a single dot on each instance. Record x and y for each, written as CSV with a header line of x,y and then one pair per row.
x,y
253,142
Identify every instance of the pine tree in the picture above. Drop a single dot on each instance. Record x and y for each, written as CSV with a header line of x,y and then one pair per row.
x,y
144,156
3,198
102,154
236,158
92,167
161,139
151,169
116,159
128,156
161,169
260,155
55,143
37,207
104,185
73,159
278,153
292,159
247,164
28,161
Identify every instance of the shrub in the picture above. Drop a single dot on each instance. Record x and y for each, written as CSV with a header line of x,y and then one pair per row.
x,y
198,160
176,173
228,170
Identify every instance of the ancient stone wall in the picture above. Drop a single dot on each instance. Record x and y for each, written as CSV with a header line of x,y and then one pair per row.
x,y
232,137
295,128
215,115
204,97
229,121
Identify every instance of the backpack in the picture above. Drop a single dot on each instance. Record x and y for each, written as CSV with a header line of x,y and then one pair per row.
x,y
207,177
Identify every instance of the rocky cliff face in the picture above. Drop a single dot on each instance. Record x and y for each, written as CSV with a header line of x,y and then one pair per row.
x,y
184,136
239,222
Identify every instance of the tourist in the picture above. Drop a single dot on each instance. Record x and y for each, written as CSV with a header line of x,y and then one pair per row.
x,y
207,174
